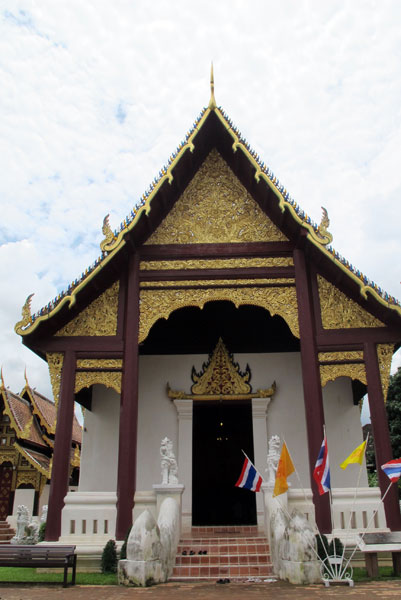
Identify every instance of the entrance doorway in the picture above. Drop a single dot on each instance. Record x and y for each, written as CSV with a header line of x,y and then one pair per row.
x,y
220,431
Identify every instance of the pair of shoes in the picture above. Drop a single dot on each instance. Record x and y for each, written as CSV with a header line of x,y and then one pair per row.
x,y
202,552
223,581
191,553
184,553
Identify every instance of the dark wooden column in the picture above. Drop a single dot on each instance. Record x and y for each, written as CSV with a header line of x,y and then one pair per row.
x,y
62,448
381,435
312,387
126,482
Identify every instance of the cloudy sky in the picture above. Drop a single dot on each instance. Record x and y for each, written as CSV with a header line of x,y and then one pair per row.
x,y
96,95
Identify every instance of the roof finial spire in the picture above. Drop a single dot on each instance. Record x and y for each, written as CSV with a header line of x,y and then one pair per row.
x,y
212,101
26,377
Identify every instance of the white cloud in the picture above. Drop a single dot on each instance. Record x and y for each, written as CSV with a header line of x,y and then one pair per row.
x,y
96,95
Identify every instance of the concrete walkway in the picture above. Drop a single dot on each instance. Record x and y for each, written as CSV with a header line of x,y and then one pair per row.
x,y
202,591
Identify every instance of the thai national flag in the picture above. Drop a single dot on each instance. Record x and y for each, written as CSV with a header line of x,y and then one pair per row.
x,y
393,469
321,473
249,478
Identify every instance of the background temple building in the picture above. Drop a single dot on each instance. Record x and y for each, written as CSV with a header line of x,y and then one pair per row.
x,y
218,315
27,428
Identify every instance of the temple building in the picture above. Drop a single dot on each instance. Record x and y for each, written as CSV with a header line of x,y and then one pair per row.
x,y
218,315
27,428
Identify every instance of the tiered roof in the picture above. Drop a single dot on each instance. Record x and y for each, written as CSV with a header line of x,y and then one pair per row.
x,y
32,416
213,127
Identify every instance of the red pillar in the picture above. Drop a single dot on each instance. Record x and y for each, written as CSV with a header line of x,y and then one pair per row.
x,y
381,435
126,478
312,387
62,448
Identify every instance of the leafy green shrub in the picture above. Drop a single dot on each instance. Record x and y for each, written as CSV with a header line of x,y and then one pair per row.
x,y
336,550
123,551
323,546
42,532
109,557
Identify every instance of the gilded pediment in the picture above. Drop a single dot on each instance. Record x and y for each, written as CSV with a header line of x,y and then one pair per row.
x,y
340,312
221,378
215,208
98,318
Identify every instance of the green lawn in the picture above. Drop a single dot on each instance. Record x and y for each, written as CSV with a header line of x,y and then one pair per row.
x,y
27,575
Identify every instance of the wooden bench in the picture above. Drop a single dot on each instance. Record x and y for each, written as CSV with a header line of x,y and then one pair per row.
x,y
40,556
373,543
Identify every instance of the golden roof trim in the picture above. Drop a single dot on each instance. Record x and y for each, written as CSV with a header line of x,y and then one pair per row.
x,y
32,461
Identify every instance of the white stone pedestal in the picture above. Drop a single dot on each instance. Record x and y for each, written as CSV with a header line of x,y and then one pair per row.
x,y
169,490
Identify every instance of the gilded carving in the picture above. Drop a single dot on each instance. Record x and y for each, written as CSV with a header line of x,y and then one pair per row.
x,y
385,355
97,363
55,364
109,237
159,304
28,477
322,235
221,379
8,456
223,263
338,311
221,375
207,283
99,318
26,316
111,379
331,372
215,207
341,355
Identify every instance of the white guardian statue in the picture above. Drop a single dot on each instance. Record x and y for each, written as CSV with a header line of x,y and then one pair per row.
x,y
273,456
168,463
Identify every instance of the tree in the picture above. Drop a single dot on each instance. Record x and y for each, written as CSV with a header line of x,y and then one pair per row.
x,y
393,407
394,412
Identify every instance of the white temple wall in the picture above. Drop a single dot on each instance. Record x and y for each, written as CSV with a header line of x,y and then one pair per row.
x,y
157,418
344,432
99,457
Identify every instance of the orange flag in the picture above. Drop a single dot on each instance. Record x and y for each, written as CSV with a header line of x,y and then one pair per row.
x,y
284,469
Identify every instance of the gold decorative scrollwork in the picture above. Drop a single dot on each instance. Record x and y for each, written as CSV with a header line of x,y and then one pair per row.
x,y
341,355
9,456
331,372
111,379
223,263
109,237
159,304
207,283
55,363
215,207
28,477
340,312
99,363
221,375
385,355
99,318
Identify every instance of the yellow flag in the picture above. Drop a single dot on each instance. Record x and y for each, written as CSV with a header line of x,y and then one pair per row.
x,y
284,469
355,457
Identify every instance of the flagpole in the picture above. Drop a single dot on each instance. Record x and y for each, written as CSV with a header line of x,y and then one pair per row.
x,y
368,525
246,456
354,500
306,502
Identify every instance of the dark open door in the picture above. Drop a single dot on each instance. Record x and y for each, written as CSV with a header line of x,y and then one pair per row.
x,y
220,431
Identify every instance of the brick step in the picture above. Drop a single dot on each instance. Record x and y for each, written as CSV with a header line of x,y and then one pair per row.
x,y
221,572
249,547
227,530
224,539
6,536
213,560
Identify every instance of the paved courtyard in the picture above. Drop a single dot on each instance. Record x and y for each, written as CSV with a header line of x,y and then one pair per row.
x,y
201,591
